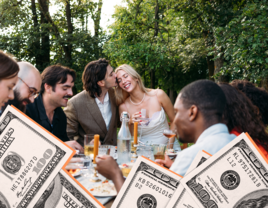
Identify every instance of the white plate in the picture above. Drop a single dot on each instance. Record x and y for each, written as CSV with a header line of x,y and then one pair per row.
x,y
97,194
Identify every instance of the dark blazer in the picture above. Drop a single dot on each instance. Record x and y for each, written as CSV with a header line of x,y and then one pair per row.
x,y
37,112
84,117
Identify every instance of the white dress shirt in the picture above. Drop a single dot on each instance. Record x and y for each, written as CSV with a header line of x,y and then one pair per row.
x,y
211,140
105,109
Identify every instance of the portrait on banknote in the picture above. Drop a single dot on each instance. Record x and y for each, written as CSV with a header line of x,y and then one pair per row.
x,y
30,158
235,176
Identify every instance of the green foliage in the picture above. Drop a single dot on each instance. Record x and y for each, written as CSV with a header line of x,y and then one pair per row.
x,y
245,42
157,41
23,37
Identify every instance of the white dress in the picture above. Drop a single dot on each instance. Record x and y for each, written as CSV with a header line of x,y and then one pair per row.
x,y
153,132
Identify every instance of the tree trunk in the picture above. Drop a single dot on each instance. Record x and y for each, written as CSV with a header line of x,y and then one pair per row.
x,y
96,19
36,47
156,18
210,61
68,53
218,64
210,64
45,35
47,16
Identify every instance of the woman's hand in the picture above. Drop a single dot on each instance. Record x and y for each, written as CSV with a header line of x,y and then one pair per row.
x,y
136,116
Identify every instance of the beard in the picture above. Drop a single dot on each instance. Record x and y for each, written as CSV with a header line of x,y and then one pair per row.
x,y
18,102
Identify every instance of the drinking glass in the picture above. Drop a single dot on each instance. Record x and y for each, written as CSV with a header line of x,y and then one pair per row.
x,y
146,151
104,149
159,151
88,146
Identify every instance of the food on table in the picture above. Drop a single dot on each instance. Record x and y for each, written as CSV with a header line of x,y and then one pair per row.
x,y
105,188
73,171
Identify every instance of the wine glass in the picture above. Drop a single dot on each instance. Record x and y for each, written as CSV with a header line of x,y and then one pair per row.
x,y
169,134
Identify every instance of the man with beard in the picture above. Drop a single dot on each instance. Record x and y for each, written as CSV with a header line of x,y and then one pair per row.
x,y
27,87
56,89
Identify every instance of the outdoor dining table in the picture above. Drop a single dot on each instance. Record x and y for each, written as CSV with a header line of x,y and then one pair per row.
x,y
105,201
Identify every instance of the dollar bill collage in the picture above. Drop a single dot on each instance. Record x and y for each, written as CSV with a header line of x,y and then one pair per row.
x,y
235,177
32,173
32,162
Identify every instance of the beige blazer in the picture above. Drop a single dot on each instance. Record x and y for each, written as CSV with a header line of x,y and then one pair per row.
x,y
84,117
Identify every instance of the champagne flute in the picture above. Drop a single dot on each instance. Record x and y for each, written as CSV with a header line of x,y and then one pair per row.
x,y
143,121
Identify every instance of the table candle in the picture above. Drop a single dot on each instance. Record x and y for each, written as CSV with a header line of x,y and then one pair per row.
x,y
135,132
96,147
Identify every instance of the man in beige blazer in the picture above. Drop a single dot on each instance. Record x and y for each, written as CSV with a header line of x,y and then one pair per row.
x,y
94,111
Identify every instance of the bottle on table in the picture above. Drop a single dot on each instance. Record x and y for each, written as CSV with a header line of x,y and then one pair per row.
x,y
124,141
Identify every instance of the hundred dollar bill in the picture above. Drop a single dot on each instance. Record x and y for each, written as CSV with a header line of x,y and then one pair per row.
x,y
236,177
65,192
147,185
30,158
181,197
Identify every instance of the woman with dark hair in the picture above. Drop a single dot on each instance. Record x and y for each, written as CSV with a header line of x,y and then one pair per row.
x,y
241,115
258,96
8,77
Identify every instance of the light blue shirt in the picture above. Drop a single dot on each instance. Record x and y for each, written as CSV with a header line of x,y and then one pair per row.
x,y
211,140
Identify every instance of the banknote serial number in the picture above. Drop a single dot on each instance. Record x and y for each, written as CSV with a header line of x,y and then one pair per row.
x,y
143,182
24,173
233,162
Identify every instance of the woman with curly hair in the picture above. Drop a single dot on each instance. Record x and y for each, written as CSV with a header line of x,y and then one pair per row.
x,y
258,96
242,116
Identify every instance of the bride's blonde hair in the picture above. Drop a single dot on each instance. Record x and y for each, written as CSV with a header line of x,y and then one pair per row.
x,y
122,95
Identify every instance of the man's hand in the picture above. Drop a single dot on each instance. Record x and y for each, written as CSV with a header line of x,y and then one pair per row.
x,y
108,167
166,163
75,145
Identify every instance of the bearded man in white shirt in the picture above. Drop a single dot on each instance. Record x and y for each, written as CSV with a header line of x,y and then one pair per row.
x,y
94,111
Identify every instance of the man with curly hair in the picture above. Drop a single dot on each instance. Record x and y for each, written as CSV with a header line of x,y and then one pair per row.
x,y
93,111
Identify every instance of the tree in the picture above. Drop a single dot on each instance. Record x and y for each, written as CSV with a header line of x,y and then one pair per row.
x,y
151,36
246,44
32,33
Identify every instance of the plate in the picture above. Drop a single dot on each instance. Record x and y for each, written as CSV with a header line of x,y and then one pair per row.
x,y
104,189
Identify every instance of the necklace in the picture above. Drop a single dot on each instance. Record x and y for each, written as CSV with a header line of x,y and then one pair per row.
x,y
139,102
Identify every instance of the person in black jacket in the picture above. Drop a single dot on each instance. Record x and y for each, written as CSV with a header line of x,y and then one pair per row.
x,y
56,89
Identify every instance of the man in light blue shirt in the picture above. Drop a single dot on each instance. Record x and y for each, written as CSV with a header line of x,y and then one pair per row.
x,y
211,140
199,108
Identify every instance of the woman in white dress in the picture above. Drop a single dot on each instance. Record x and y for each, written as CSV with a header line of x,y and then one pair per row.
x,y
132,96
